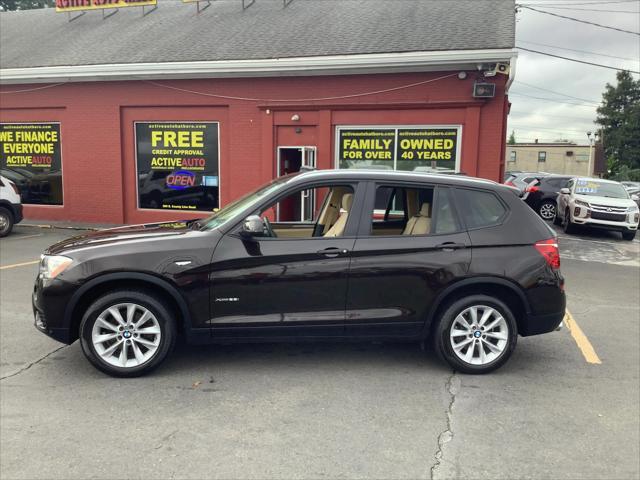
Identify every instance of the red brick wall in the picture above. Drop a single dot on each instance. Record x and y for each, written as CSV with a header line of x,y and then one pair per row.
x,y
98,142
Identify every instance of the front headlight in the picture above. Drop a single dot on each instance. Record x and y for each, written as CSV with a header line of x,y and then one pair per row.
x,y
633,208
53,265
582,204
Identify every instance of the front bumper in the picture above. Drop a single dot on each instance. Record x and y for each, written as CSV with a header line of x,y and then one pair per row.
x,y
48,312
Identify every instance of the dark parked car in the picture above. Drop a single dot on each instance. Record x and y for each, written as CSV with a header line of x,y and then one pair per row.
x,y
541,194
327,255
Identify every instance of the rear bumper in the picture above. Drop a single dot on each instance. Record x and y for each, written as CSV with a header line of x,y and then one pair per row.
x,y
539,324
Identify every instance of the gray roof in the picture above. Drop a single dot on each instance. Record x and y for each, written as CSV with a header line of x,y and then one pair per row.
x,y
174,32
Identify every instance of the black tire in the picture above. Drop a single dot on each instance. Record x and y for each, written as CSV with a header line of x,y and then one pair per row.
x,y
547,210
145,299
629,235
442,342
6,222
567,225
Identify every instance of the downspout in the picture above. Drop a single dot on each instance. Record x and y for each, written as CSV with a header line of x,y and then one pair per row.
x,y
512,71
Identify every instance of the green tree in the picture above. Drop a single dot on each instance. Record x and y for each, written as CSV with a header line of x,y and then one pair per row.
x,y
512,138
6,5
619,117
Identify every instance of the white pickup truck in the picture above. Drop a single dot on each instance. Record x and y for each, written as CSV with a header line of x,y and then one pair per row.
x,y
598,203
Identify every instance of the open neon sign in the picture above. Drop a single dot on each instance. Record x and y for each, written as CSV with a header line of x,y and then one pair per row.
x,y
181,179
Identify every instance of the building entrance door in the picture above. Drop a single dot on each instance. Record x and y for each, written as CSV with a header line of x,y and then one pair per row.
x,y
299,208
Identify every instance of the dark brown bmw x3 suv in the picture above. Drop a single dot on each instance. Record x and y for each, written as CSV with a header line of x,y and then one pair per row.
x,y
326,255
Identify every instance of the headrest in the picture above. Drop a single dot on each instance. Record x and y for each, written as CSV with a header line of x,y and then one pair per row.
x,y
347,200
425,209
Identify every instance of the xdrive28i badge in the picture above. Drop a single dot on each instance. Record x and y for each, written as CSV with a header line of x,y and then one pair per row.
x,y
228,299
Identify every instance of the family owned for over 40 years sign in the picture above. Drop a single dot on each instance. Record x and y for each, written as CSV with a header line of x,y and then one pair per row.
x,y
401,148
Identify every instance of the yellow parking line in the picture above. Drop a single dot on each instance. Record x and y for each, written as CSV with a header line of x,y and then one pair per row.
x,y
581,339
15,265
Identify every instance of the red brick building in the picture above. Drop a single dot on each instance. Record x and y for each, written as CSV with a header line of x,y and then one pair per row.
x,y
140,118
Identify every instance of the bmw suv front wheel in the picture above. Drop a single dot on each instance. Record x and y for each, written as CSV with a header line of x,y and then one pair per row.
x,y
127,333
476,334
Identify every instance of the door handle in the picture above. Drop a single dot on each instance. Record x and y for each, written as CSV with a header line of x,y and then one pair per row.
x,y
332,252
450,246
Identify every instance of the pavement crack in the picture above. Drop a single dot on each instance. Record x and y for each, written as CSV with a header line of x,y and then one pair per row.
x,y
24,369
453,387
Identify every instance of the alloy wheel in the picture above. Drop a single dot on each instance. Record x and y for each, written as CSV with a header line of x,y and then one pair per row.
x,y
547,211
126,335
479,335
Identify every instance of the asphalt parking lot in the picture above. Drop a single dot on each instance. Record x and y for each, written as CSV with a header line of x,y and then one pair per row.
x,y
565,406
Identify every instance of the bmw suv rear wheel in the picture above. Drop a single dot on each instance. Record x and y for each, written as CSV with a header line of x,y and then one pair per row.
x,y
476,334
127,333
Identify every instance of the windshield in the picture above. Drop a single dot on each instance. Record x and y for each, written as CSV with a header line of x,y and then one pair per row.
x,y
595,188
228,212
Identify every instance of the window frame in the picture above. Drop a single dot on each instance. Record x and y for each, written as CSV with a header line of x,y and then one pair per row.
x,y
542,156
513,155
396,127
459,202
353,221
367,208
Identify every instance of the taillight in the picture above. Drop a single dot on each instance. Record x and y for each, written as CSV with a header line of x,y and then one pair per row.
x,y
531,188
549,250
509,184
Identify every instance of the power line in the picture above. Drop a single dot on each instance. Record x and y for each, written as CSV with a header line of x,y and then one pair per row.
x,y
532,128
592,9
553,2
584,119
576,60
578,20
557,93
554,100
579,51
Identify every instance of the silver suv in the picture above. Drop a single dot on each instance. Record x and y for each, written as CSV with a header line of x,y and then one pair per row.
x,y
597,203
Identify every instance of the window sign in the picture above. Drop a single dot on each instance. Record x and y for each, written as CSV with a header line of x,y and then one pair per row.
x,y
178,165
411,148
30,157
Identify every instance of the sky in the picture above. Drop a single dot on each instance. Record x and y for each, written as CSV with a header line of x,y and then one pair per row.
x,y
560,116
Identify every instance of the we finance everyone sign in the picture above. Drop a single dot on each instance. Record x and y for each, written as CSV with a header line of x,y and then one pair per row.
x,y
77,5
30,157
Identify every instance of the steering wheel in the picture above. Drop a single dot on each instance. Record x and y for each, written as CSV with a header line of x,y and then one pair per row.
x,y
268,228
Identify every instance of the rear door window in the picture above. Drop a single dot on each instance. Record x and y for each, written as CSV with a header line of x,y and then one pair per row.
x,y
480,208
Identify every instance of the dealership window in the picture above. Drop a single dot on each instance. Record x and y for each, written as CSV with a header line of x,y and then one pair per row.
x,y
30,156
178,165
542,156
411,148
512,156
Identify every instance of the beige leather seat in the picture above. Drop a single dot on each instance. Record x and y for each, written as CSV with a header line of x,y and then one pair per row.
x,y
419,224
338,228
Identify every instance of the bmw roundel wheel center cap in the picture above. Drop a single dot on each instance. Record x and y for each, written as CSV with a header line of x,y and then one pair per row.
x,y
126,334
477,333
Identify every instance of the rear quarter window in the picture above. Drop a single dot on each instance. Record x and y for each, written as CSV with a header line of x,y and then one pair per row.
x,y
480,208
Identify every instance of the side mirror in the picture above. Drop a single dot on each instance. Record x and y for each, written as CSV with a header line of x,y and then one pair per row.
x,y
252,226
635,198
565,191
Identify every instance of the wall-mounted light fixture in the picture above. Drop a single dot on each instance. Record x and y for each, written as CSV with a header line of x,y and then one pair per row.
x,y
295,118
